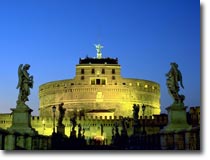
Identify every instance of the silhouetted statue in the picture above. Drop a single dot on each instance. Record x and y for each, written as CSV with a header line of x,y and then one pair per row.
x,y
83,132
25,82
124,124
73,122
135,112
136,123
124,134
79,130
113,131
116,129
61,114
174,79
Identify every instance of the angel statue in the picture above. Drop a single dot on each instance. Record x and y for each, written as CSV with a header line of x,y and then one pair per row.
x,y
98,49
25,82
174,79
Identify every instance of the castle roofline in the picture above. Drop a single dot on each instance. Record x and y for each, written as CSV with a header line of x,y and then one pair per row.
x,y
90,60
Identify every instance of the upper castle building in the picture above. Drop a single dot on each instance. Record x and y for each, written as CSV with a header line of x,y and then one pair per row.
x,y
99,90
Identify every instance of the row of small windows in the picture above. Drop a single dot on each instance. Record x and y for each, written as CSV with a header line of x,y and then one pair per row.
x,y
99,81
93,71
83,77
138,84
103,82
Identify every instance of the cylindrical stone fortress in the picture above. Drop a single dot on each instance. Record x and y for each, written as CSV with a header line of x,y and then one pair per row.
x,y
99,90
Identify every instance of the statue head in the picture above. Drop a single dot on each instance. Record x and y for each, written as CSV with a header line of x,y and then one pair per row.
x,y
173,64
26,66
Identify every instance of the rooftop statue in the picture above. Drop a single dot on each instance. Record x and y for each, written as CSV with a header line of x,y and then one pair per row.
x,y
25,82
174,81
98,49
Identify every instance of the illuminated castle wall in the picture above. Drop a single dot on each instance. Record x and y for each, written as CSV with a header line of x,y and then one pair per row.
x,y
99,90
92,126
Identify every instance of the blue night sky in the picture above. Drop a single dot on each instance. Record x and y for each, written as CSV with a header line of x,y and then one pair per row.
x,y
145,35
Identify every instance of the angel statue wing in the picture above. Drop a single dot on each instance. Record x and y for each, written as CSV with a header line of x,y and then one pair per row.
x,y
180,79
20,73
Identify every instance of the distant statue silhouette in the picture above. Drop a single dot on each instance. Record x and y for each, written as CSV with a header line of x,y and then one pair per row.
x,y
174,78
116,129
61,114
124,124
73,121
79,130
135,112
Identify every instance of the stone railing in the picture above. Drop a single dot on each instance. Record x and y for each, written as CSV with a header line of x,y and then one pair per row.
x,y
17,141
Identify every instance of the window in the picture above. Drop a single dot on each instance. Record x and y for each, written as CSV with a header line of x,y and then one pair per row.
x,y
93,82
113,77
98,81
93,71
113,71
103,82
82,71
103,71
82,77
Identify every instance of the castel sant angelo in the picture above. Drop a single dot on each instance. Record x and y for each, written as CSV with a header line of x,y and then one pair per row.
x,y
99,90
98,107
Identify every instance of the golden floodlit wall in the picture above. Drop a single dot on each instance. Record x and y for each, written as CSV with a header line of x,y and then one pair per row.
x,y
98,86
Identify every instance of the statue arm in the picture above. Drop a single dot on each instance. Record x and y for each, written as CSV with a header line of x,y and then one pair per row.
x,y
26,75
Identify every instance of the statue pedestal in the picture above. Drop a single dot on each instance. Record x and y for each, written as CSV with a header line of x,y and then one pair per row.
x,y
177,118
172,136
61,129
21,120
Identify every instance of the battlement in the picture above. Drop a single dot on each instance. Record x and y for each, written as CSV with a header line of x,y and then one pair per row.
x,y
89,60
155,120
148,120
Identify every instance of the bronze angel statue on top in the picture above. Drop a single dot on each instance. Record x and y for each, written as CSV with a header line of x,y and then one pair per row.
x,y
25,82
174,79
